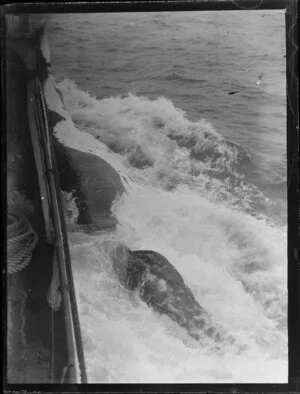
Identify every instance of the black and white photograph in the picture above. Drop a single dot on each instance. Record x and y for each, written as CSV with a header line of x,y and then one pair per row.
x,y
147,197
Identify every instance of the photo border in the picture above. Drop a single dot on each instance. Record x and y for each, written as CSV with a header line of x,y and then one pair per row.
x,y
293,193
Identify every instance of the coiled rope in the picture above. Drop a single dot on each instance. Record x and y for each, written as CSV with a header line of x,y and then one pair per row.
x,y
21,241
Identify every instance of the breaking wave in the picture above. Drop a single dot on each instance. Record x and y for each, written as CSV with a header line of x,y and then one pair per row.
x,y
164,148
194,205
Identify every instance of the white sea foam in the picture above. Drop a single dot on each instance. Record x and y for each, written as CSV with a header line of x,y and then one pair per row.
x,y
125,341
162,147
68,134
233,262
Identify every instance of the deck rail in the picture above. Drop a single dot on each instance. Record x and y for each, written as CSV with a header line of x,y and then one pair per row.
x,y
55,223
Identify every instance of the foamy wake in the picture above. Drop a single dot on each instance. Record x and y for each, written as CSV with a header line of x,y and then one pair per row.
x,y
190,205
238,277
162,147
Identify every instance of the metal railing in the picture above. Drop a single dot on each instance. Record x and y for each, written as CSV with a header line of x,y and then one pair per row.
x,y
49,184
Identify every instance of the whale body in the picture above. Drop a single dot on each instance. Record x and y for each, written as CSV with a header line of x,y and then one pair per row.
x,y
94,185
162,288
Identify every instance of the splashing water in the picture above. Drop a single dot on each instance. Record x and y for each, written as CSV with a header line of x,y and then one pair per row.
x,y
163,148
194,205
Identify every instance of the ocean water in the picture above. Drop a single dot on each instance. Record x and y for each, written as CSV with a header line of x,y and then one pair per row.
x,y
192,106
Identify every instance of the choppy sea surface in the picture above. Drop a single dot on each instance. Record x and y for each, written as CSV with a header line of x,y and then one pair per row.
x,y
193,104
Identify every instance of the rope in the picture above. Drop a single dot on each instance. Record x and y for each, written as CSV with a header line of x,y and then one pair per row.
x,y
21,241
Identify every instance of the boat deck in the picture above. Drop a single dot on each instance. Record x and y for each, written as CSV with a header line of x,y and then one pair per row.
x,y
36,337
